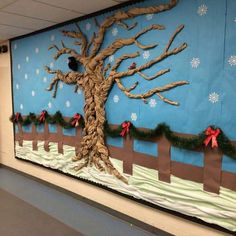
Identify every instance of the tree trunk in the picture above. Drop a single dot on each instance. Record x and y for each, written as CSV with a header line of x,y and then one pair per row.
x,y
93,148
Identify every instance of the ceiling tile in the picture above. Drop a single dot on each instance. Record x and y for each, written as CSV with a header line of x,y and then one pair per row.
x,y
10,31
23,22
40,11
4,3
83,6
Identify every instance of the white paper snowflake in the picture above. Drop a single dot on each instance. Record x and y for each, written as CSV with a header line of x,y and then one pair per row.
x,y
61,86
52,37
88,26
202,10
152,103
146,55
26,76
213,97
195,62
116,98
17,86
49,105
36,50
37,71
33,93
232,60
114,31
21,106
15,46
51,65
45,79
111,58
18,66
133,116
149,16
67,103
27,59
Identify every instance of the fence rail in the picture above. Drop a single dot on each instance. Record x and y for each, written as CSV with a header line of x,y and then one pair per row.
x,y
211,174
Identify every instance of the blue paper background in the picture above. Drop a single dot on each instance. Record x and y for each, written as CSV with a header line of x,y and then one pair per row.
x,y
210,37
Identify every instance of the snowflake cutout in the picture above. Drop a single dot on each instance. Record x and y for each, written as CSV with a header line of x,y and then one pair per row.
x,y
26,76
51,65
133,116
67,103
27,59
114,31
111,58
17,86
214,97
152,103
15,46
195,62
149,16
36,50
61,86
146,55
202,10
116,99
49,105
88,26
21,106
45,79
232,60
33,93
18,66
37,71
52,37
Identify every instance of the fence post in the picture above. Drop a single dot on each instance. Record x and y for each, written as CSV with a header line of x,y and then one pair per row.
x,y
46,137
60,138
34,141
212,170
129,155
164,159
77,140
20,131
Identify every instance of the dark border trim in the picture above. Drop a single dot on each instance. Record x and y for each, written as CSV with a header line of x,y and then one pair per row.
x,y
120,215
84,17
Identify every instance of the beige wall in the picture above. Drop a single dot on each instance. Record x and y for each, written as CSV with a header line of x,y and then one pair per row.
x,y
164,221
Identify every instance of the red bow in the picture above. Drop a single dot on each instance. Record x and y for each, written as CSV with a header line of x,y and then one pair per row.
x,y
211,135
42,116
17,117
125,128
75,121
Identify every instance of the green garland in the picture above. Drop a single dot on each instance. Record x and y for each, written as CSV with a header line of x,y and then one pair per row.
x,y
57,118
162,129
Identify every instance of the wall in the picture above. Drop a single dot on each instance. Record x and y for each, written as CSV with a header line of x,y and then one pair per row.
x,y
164,221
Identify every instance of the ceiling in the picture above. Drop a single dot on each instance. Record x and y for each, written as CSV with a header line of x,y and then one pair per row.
x,y
19,17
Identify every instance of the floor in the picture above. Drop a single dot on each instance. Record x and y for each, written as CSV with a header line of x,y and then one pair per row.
x,y
58,208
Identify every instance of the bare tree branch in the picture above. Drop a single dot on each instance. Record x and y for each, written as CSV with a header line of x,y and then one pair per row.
x,y
151,92
123,15
68,78
167,100
126,26
159,73
119,43
165,54
79,35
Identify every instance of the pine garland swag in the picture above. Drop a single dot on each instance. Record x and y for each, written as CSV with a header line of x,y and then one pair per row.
x,y
192,143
